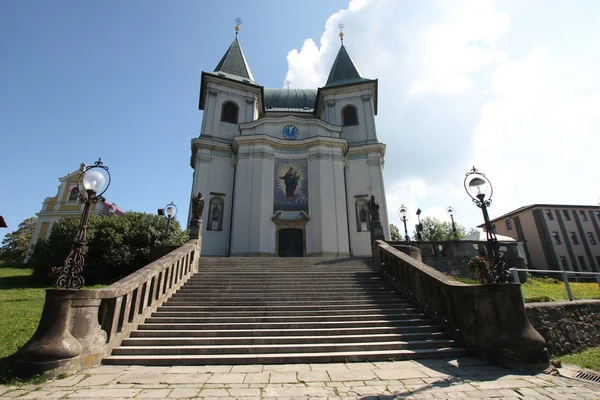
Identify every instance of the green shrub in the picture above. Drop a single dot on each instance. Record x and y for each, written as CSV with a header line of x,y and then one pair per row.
x,y
116,245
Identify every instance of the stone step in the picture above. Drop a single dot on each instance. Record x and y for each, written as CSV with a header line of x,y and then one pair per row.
x,y
287,325
285,296
317,307
168,312
276,302
189,341
280,348
286,358
156,331
161,319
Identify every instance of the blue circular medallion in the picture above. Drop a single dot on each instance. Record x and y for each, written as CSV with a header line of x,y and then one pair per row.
x,y
290,132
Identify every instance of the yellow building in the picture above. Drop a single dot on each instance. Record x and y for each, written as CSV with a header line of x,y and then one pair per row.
x,y
66,204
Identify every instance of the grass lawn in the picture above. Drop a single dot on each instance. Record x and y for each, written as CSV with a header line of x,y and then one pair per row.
x,y
21,303
588,359
548,289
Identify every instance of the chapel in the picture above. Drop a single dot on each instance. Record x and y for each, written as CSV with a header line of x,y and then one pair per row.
x,y
287,172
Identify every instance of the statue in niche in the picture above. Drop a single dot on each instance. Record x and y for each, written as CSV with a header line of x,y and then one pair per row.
x,y
374,206
197,206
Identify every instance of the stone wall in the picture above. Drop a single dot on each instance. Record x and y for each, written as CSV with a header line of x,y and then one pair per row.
x,y
567,326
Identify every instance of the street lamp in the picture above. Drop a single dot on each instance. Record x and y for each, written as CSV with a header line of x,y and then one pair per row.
x,y
92,183
452,213
419,225
403,214
171,212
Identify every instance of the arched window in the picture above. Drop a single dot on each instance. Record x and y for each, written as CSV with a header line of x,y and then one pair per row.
x,y
229,112
349,116
73,194
362,215
215,214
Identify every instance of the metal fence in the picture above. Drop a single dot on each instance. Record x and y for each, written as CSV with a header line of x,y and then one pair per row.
x,y
564,274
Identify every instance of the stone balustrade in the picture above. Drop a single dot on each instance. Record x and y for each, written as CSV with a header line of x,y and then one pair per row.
x,y
489,319
80,327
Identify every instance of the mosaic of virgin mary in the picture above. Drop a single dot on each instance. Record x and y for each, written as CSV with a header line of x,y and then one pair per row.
x,y
291,190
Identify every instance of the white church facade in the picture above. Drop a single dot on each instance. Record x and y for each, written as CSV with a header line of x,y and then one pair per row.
x,y
287,172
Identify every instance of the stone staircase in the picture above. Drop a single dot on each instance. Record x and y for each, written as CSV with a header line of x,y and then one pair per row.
x,y
286,310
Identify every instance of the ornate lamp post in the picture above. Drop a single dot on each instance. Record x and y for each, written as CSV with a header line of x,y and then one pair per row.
x,y
403,214
92,183
452,213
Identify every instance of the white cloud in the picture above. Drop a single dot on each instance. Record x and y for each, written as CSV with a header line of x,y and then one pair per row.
x,y
457,86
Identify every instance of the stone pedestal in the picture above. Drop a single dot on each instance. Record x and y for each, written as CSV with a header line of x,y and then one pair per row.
x,y
52,350
195,228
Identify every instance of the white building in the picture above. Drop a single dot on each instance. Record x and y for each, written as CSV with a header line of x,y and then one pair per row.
x,y
287,172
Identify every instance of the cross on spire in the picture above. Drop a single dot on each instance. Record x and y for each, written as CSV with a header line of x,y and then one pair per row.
x,y
238,22
341,28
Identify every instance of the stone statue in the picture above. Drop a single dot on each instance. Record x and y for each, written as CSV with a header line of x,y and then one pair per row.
x,y
374,207
197,206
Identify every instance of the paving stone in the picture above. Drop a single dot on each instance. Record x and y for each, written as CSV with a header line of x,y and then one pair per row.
x,y
329,367
105,393
226,378
107,369
196,379
119,386
182,393
503,384
313,376
287,367
214,386
403,373
260,377
450,395
154,394
69,381
360,366
244,392
213,392
483,394
341,376
139,378
298,392
283,377
365,391
395,364
59,394
155,386
36,394
97,380
247,368
353,383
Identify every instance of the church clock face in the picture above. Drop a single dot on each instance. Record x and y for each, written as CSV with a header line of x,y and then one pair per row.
x,y
290,132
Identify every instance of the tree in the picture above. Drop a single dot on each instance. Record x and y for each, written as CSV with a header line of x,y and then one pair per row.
x,y
395,233
436,230
115,247
15,245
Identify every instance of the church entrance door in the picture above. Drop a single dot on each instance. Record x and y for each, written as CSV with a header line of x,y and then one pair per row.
x,y
291,243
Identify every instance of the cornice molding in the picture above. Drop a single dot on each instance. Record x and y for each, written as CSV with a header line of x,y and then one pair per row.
x,y
276,144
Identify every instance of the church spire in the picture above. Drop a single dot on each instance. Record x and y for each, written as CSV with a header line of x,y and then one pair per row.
x,y
233,62
344,71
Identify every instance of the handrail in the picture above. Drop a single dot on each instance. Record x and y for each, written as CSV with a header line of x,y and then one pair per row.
x,y
565,277
489,319
80,327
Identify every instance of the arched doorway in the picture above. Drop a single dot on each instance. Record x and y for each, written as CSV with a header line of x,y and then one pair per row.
x,y
290,243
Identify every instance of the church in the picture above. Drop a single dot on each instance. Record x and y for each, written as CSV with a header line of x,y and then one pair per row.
x,y
287,172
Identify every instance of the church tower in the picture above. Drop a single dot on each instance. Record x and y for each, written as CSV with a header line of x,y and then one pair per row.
x,y
287,172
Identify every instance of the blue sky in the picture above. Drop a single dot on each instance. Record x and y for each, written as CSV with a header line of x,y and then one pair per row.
x,y
511,86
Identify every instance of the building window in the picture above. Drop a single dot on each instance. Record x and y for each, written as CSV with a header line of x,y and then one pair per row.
x,y
582,262
73,194
556,237
591,238
349,116
564,263
574,238
549,215
229,112
362,215
582,215
567,215
508,224
215,214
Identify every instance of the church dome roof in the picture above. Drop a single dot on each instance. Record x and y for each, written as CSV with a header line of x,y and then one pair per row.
x,y
298,100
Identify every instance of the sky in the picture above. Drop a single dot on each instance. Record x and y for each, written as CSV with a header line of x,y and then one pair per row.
x,y
512,87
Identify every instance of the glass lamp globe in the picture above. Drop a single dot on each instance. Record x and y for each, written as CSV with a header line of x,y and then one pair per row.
x,y
403,212
94,181
451,212
478,187
170,211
